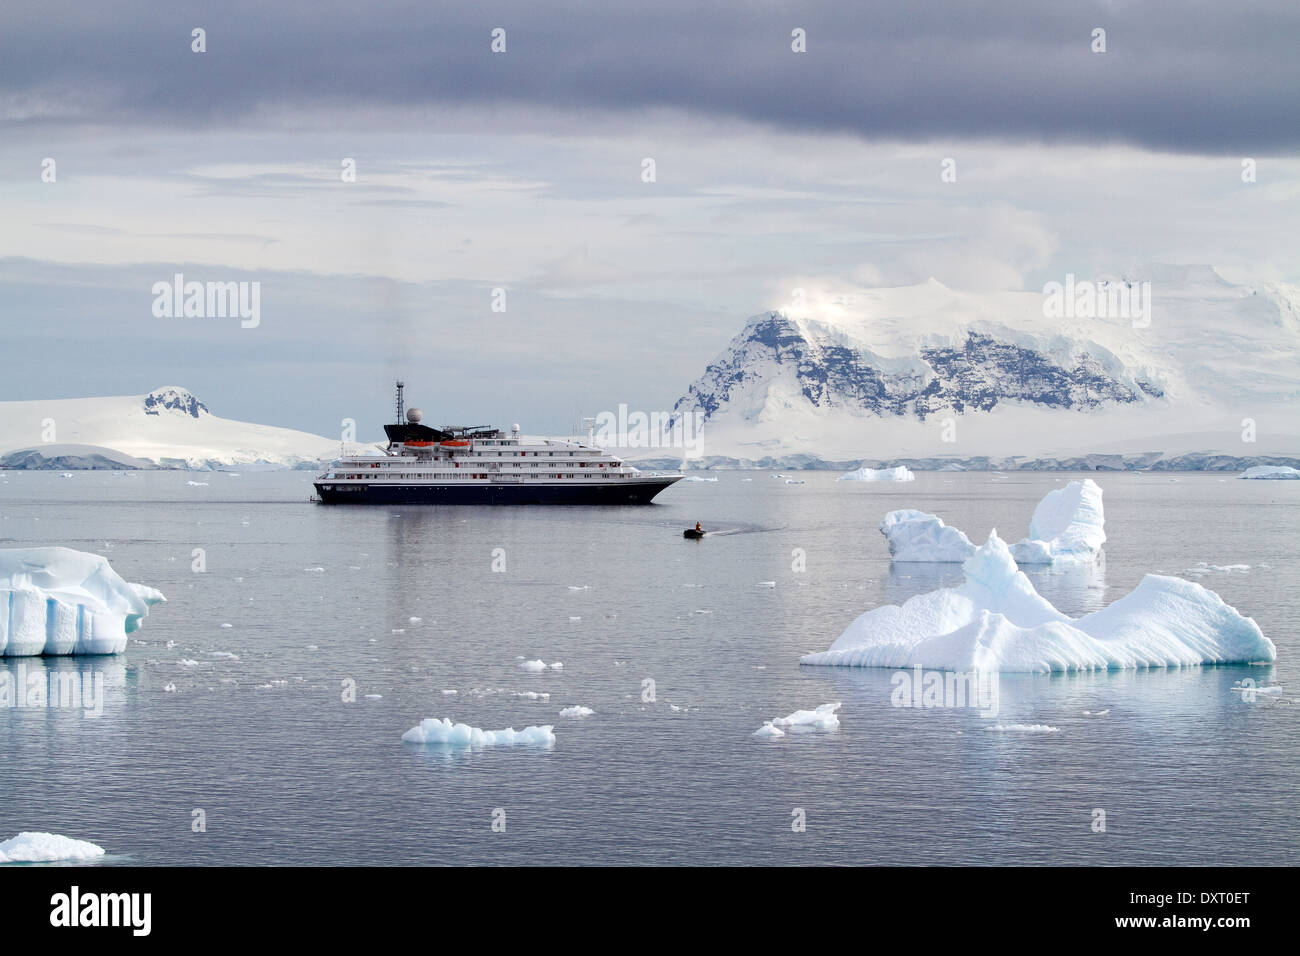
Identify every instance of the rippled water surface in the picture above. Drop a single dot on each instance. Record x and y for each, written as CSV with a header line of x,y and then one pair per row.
x,y
317,597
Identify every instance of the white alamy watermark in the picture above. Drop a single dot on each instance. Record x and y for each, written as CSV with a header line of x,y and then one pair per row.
x,y
208,300
625,429
40,688
1085,299
920,688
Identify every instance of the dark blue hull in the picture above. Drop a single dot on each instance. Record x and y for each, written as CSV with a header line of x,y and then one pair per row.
x,y
640,492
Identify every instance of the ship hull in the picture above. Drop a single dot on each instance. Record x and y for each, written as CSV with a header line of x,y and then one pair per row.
x,y
575,493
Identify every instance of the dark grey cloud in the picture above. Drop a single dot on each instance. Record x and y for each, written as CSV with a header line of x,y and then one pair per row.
x,y
1199,76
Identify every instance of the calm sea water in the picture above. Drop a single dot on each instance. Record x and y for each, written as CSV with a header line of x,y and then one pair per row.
x,y
285,771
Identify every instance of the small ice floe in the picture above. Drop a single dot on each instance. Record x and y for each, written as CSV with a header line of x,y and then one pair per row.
x,y
186,662
315,570
746,479
795,481
1270,689
506,692
171,644
765,584
535,666
399,630
1100,713
313,647
822,720
698,478
450,693
572,618
30,847
228,655
1202,568
433,730
374,696
414,620
226,625
169,688
579,587
577,711
1024,729
66,474
197,484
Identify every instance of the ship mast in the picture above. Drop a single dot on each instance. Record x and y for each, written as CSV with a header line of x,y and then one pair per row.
x,y
401,406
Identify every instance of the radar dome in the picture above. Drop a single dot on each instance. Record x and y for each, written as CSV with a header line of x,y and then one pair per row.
x,y
414,415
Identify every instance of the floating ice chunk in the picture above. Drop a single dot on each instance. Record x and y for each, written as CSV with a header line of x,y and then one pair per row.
x,y
557,666
61,601
795,481
808,721
577,711
1067,525
1274,472
1024,729
765,584
29,847
433,730
698,478
535,666
901,473
996,621
918,536
197,484
768,730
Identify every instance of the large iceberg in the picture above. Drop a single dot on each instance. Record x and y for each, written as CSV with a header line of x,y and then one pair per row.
x,y
1271,471
918,536
1067,526
61,601
432,730
996,621
901,473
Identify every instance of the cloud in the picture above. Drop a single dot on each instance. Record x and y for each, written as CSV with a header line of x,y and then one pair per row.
x,y
1178,75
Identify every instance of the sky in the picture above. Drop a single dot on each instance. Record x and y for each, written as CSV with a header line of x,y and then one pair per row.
x,y
502,246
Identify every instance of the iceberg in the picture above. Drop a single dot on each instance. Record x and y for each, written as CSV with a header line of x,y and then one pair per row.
x,y
901,473
802,722
29,847
996,621
578,710
1274,472
918,536
431,730
61,601
1067,526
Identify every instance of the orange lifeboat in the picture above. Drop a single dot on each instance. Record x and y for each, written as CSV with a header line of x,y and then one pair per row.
x,y
456,443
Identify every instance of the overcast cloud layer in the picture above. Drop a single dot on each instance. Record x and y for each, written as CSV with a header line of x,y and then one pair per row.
x,y
1183,75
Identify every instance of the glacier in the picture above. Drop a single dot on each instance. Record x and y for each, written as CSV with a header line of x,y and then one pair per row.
x,y
996,621
433,730
61,601
1067,526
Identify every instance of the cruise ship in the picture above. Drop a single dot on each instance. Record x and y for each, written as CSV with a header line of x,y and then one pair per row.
x,y
480,465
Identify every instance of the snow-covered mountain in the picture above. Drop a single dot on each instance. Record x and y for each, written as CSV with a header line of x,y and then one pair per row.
x,y
168,427
1210,371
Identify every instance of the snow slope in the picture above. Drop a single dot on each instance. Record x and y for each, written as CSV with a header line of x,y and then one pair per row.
x,y
925,371
996,621
168,426
61,601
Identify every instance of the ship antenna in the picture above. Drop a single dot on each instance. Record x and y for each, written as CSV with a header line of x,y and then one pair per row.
x,y
400,404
